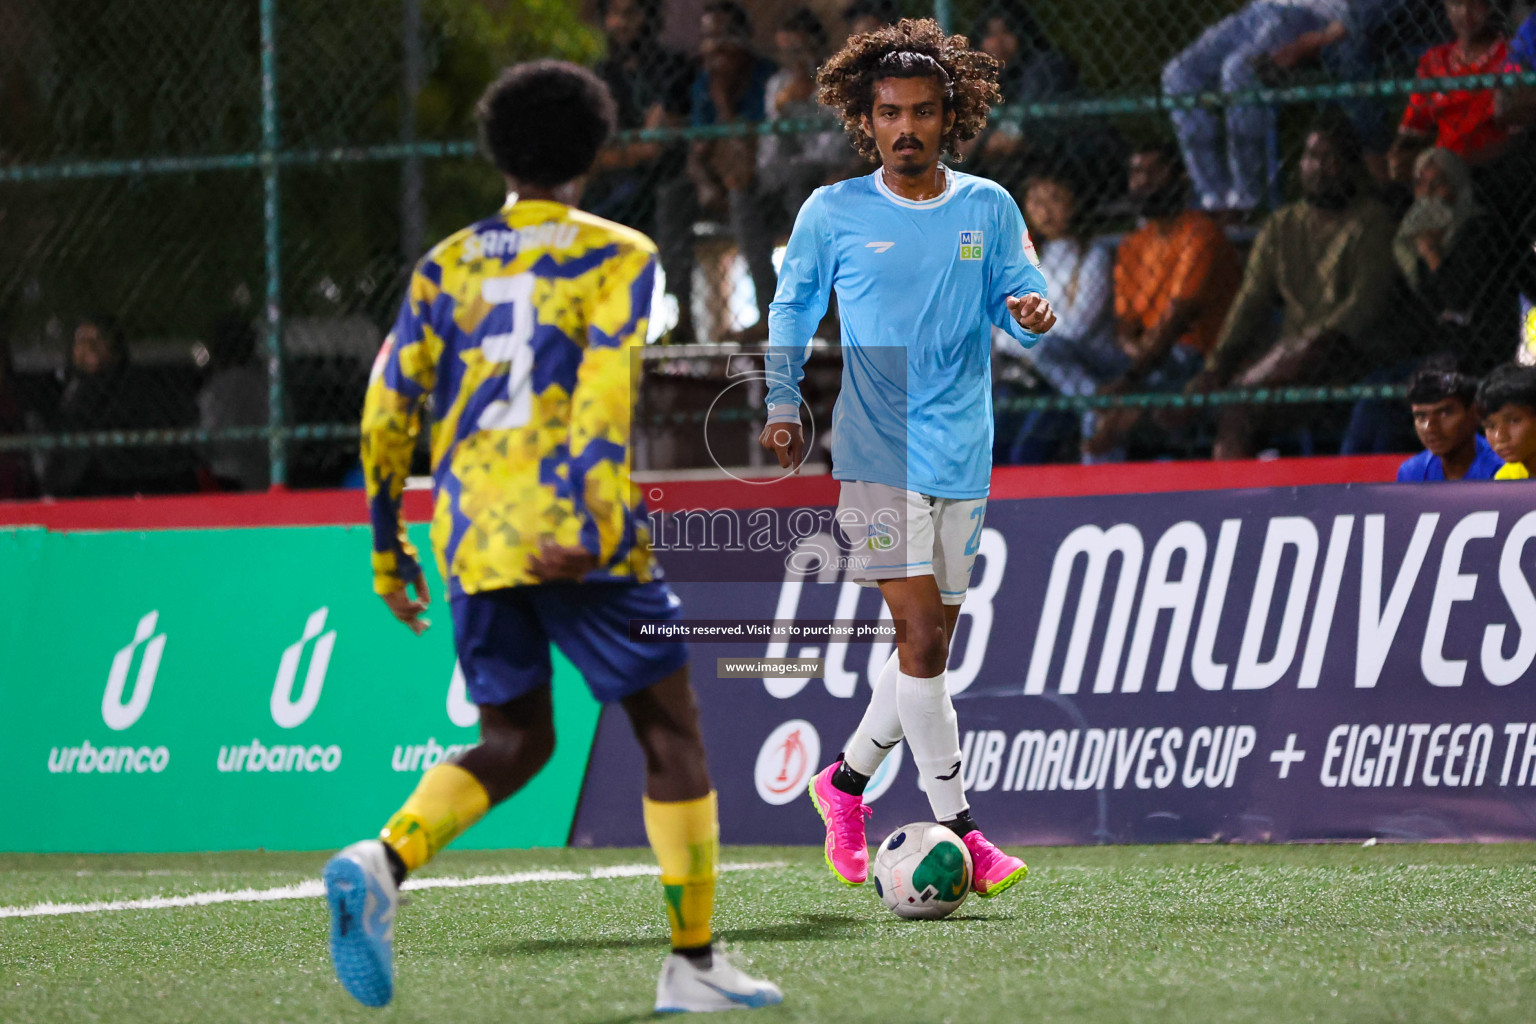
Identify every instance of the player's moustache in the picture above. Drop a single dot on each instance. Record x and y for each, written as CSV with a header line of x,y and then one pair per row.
x,y
908,142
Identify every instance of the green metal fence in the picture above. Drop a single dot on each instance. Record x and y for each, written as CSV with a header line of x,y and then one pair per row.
x,y
181,174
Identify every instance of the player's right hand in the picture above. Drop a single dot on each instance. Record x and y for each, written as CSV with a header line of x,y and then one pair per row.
x,y
408,611
787,441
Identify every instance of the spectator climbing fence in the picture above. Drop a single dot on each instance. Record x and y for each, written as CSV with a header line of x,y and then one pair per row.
x,y
210,208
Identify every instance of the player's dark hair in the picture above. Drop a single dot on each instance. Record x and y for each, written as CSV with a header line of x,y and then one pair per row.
x,y
1430,386
543,122
911,48
1510,384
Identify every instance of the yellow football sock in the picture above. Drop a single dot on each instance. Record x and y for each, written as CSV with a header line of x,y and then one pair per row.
x,y
447,800
686,838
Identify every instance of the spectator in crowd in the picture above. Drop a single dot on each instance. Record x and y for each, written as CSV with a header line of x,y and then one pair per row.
x,y
16,479
1464,122
1326,263
1452,253
864,16
1175,276
1445,418
721,181
1522,48
1460,309
650,85
1506,400
1079,354
1261,39
1033,71
99,393
234,395
791,167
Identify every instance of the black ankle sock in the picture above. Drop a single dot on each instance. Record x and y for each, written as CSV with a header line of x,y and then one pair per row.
x,y
848,780
396,865
961,825
702,957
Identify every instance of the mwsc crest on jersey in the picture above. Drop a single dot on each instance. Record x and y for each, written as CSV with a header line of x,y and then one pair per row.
x,y
970,245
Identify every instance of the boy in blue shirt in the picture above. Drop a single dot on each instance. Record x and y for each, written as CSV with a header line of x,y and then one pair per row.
x,y
1446,421
924,260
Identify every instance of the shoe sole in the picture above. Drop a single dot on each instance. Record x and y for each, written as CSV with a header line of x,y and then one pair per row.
x,y
998,888
816,802
352,952
756,1002
753,1001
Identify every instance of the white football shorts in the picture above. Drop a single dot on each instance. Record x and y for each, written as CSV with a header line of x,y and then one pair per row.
x,y
895,534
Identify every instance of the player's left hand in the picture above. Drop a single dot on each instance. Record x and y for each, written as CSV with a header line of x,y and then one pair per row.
x,y
554,563
408,611
1033,312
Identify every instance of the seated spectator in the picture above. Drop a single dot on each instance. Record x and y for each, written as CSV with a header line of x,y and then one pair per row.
x,y
1459,307
1464,122
1175,276
1079,354
16,481
1326,263
1033,71
721,179
1452,253
865,16
1445,418
650,85
235,395
791,167
99,393
1237,53
1506,400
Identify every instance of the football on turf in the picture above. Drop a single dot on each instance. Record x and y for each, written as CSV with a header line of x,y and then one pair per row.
x,y
923,870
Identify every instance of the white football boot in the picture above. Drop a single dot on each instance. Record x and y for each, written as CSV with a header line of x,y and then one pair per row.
x,y
686,988
360,890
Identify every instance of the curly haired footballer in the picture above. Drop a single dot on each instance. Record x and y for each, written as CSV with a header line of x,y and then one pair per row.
x,y
911,48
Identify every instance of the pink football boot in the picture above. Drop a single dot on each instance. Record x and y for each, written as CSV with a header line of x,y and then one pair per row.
x,y
844,814
995,870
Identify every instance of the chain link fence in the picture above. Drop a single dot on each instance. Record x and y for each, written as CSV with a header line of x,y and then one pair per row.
x,y
210,209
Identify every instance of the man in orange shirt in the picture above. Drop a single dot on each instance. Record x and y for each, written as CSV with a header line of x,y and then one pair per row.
x,y
1175,276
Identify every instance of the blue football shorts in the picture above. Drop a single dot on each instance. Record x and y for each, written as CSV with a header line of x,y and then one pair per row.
x,y
502,638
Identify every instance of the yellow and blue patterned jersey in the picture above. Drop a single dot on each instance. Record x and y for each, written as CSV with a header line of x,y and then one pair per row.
x,y
519,330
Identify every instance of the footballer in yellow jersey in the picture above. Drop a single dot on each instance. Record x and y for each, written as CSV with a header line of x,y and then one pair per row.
x,y
514,344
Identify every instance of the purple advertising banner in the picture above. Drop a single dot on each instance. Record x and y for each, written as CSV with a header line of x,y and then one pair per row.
x,y
1309,663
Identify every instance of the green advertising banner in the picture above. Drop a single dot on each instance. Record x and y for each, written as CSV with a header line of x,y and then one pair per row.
x,y
235,689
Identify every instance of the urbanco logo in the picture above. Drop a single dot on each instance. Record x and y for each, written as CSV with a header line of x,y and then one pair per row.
x,y
786,761
114,712
286,711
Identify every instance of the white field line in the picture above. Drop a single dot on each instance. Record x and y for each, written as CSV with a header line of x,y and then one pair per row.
x,y
313,888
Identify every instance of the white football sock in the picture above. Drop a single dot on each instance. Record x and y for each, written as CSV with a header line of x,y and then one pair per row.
x,y
933,734
880,729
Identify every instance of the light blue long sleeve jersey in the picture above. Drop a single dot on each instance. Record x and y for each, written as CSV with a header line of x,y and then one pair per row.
x,y
919,285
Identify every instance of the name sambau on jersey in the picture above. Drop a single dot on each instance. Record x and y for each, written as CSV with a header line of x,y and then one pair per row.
x,y
520,329
919,286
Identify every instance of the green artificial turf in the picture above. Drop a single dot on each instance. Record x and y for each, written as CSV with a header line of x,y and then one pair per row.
x,y
1111,934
